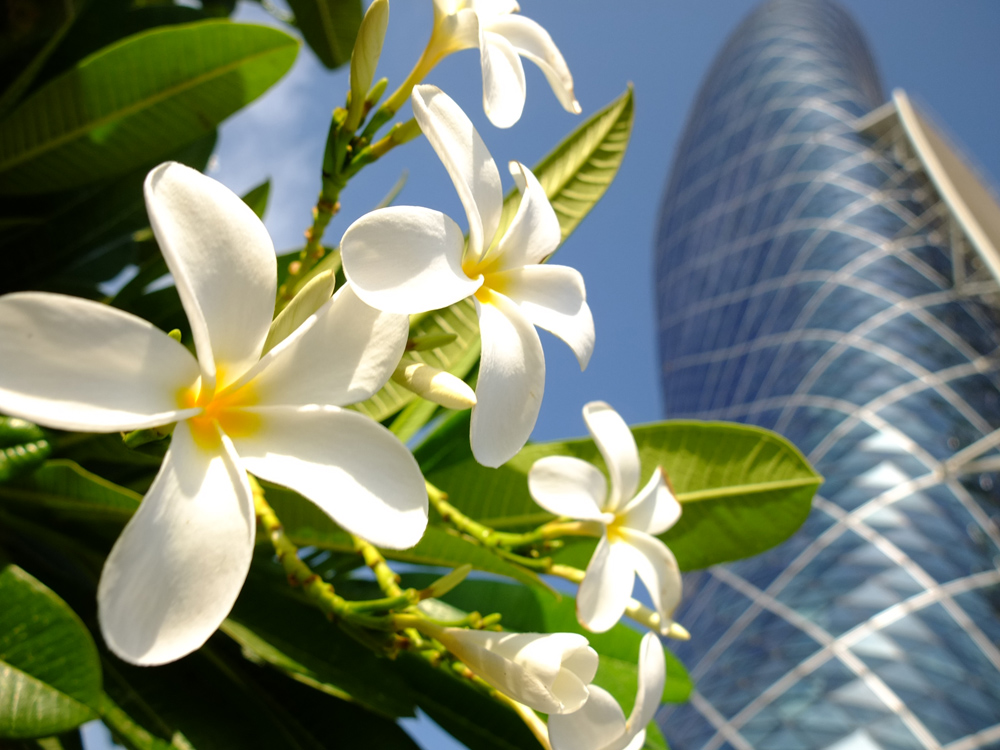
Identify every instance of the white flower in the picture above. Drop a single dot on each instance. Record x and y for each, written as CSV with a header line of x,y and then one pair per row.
x,y
72,364
571,487
410,260
549,672
502,39
601,724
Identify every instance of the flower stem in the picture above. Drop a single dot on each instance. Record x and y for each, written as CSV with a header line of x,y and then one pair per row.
x,y
529,717
387,579
324,210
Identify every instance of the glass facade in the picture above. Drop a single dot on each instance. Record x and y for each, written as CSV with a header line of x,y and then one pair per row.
x,y
810,280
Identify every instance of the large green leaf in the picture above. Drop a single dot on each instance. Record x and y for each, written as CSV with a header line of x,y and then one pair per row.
x,y
136,100
743,489
50,673
72,492
307,525
531,611
329,27
575,176
23,446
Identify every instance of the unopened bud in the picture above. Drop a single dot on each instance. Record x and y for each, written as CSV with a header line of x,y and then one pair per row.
x,y
434,385
308,300
364,59
446,583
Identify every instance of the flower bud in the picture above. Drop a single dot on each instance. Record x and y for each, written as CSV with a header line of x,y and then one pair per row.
x,y
547,672
364,59
434,385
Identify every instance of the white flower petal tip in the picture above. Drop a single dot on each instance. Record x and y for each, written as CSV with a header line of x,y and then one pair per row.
x,y
503,38
600,724
549,672
676,631
629,545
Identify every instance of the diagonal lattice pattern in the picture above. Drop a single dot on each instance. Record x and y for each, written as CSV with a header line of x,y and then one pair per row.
x,y
812,282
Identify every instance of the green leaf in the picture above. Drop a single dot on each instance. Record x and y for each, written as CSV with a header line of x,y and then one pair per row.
x,y
50,673
579,170
575,176
23,446
307,525
257,197
137,100
531,611
273,627
329,27
743,489
64,487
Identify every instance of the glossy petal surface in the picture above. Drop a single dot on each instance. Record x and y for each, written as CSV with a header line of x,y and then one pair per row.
x,y
615,441
534,233
652,678
467,160
657,569
511,382
74,364
406,260
606,587
177,568
354,469
504,89
569,487
654,509
598,725
553,298
341,355
222,261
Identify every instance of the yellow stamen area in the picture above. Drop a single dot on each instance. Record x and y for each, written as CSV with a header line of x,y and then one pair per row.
x,y
615,527
225,412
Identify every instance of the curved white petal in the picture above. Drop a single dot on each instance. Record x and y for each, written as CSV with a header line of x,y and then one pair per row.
x,y
406,260
511,382
654,509
598,725
223,264
652,678
504,89
606,587
344,353
467,160
354,469
177,568
615,441
569,487
533,42
657,569
74,364
534,233
637,742
553,298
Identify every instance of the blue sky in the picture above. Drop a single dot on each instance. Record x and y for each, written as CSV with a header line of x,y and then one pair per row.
x,y
944,54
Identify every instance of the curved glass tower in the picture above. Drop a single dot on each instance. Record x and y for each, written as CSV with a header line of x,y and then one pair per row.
x,y
815,277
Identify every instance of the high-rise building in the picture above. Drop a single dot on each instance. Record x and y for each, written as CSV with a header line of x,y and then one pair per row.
x,y
827,267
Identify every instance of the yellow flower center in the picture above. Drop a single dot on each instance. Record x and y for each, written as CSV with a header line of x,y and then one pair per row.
x,y
615,527
225,411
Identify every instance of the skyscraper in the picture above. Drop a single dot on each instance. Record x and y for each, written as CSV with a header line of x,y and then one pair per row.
x,y
827,267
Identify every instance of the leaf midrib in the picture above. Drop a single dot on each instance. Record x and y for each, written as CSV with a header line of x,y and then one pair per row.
x,y
146,103
746,489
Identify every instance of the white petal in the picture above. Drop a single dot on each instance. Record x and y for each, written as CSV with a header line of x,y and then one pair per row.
x,y
657,569
637,742
652,678
596,726
533,42
74,364
469,164
503,79
511,382
406,260
354,469
177,568
654,509
615,441
534,233
491,8
223,264
569,487
606,587
553,298
343,354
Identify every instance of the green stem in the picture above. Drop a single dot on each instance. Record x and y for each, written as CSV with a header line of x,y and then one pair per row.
x,y
325,209
387,579
125,729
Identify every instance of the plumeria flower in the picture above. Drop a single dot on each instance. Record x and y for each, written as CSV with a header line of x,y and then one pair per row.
x,y
409,260
628,522
601,723
72,364
549,672
502,39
